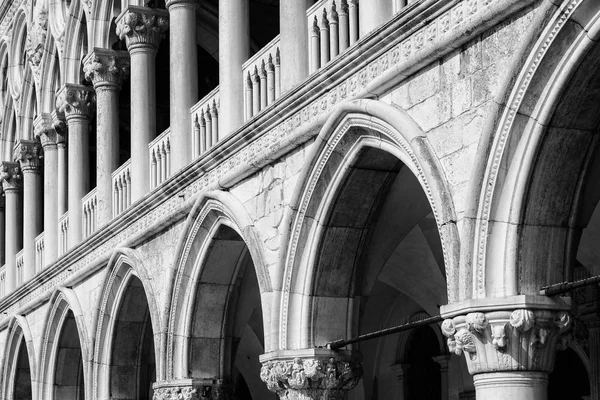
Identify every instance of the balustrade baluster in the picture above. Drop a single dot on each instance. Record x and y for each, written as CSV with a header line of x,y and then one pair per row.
x,y
343,29
196,136
315,46
270,81
249,97
324,39
208,119
215,122
263,86
277,74
353,17
255,92
203,147
334,40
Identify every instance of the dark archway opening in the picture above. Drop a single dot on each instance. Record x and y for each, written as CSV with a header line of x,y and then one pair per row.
x,y
569,379
22,382
68,376
133,362
424,381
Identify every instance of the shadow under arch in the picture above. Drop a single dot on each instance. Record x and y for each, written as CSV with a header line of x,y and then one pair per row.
x,y
19,334
354,127
212,214
535,159
125,268
64,306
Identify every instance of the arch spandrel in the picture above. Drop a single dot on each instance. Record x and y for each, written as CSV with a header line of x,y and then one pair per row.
x,y
210,212
352,128
123,265
19,333
518,155
62,301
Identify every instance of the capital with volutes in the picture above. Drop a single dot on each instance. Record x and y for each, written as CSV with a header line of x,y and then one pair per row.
x,y
142,26
508,339
106,68
76,101
29,155
10,174
316,374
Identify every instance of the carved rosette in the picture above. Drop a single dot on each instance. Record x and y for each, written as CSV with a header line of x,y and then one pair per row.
x,y
142,26
11,176
311,378
76,101
106,68
29,155
522,339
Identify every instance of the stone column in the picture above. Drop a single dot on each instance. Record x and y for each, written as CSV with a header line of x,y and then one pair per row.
x,y
293,28
2,228
373,14
195,389
594,353
11,184
106,70
60,127
509,351
142,29
77,102
443,362
184,78
234,49
46,134
310,374
400,370
29,155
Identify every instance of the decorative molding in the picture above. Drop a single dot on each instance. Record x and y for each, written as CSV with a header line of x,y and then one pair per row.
x,y
142,26
76,101
192,389
311,378
106,69
11,176
521,339
29,155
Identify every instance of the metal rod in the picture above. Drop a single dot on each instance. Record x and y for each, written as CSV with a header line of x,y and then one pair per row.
x,y
563,287
338,344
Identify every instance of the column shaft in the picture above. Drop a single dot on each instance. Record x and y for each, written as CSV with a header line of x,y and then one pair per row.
x,y
515,385
107,150
32,218
51,215
293,28
233,52
12,238
78,174
184,79
372,14
61,181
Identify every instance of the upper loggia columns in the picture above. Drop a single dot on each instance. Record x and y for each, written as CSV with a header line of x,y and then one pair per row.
x,y
509,344
293,28
11,177
106,69
142,28
78,104
372,14
183,78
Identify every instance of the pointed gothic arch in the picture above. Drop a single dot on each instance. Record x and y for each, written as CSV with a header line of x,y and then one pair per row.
x,y
19,344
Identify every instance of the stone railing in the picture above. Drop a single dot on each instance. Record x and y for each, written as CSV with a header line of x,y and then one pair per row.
x,y
262,79
121,185
39,253
332,28
20,266
2,281
205,121
63,241
89,206
160,158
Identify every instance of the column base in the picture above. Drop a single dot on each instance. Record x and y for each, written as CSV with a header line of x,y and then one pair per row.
x,y
515,385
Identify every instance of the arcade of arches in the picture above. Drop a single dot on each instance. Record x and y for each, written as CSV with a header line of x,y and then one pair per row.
x,y
198,196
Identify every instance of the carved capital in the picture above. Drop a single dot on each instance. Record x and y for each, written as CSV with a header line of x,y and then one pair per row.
x,y
106,68
311,376
29,155
142,26
508,340
11,176
76,101
44,131
59,123
188,389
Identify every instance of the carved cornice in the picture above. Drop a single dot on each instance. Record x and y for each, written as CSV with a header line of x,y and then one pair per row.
x,y
76,101
508,340
29,155
142,26
175,393
106,69
215,389
11,177
311,377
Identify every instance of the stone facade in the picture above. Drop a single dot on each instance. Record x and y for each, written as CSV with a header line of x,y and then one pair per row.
x,y
370,165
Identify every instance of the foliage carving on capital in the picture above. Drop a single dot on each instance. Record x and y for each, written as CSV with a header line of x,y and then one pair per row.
x,y
106,68
300,375
36,40
10,174
76,100
44,130
216,390
523,339
29,155
142,25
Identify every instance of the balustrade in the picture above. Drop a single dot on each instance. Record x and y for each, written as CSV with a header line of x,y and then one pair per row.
x,y
205,118
160,158
63,226
262,79
39,253
121,179
20,265
332,28
89,207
